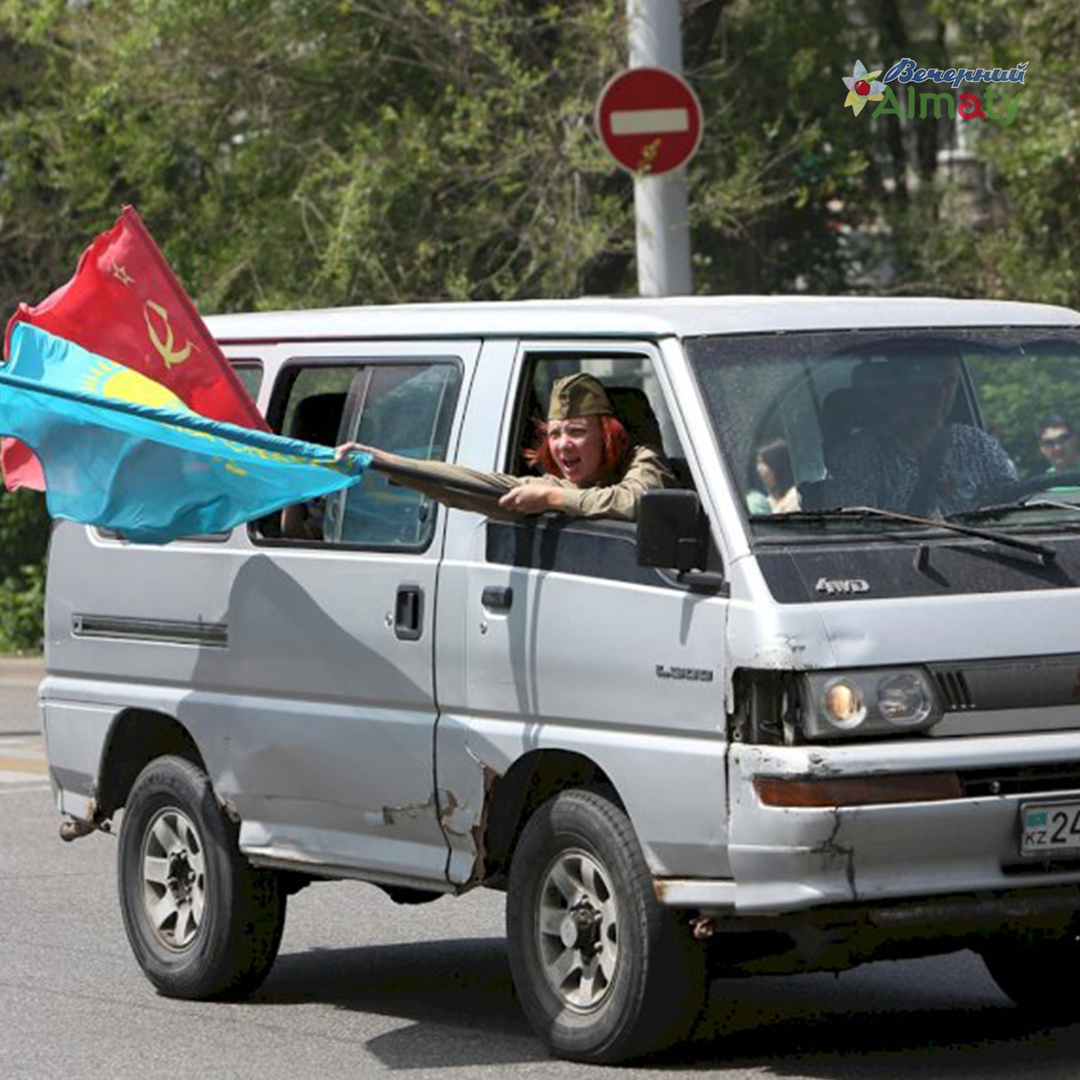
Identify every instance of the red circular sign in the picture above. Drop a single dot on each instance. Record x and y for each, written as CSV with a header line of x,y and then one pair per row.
x,y
649,120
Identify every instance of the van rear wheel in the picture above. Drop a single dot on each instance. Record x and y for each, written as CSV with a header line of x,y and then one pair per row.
x,y
202,922
604,973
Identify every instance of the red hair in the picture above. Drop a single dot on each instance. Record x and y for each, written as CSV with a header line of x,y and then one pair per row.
x,y
616,448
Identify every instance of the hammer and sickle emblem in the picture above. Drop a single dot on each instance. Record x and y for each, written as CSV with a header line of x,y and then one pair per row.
x,y
166,349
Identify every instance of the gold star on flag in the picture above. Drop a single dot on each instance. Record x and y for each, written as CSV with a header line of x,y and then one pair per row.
x,y
122,275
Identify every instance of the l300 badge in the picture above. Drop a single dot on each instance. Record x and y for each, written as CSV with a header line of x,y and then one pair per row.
x,y
666,671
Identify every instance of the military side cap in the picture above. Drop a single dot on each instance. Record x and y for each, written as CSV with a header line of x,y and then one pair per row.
x,y
578,395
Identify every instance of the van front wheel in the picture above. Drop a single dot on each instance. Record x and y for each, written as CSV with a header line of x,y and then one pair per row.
x,y
604,973
202,922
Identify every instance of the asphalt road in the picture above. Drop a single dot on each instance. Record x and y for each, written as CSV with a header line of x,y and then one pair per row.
x,y
18,696
364,988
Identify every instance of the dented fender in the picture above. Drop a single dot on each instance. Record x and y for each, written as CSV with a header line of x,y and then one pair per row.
x,y
763,636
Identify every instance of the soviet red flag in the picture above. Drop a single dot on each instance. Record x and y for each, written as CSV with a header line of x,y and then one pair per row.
x,y
125,303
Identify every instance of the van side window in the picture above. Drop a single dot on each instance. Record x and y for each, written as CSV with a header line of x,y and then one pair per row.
x,y
250,373
595,548
404,406
406,409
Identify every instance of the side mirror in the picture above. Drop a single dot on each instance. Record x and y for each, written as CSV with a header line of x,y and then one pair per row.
x,y
672,532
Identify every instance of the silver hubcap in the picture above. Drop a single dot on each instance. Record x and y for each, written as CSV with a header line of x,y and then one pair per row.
x,y
578,929
174,878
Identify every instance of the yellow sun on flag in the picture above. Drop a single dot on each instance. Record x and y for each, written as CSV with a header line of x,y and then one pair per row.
x,y
128,385
122,383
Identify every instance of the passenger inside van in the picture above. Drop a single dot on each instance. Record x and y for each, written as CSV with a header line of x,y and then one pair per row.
x,y
773,467
591,467
912,459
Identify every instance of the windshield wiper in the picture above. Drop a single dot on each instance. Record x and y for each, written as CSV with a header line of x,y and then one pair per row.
x,y
997,510
1043,552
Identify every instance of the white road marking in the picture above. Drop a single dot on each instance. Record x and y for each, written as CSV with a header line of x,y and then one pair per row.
x,y
17,776
22,761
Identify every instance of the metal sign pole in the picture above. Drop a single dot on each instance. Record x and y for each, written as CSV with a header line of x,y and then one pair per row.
x,y
660,202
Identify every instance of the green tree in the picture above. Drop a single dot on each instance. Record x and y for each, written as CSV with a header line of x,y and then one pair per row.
x,y
296,154
24,534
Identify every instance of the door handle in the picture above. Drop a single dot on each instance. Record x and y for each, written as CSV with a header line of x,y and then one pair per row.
x,y
497,597
409,612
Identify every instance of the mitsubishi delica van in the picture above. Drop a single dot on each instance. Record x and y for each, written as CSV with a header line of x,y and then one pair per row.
x,y
755,731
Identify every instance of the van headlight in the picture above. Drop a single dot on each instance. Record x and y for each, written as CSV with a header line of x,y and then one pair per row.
x,y
857,703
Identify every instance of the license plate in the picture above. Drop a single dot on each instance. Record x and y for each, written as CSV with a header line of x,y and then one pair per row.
x,y
1050,829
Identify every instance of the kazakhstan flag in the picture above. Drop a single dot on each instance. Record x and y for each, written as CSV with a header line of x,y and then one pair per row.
x,y
123,452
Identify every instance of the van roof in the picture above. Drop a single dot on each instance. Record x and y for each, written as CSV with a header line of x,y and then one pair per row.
x,y
632,317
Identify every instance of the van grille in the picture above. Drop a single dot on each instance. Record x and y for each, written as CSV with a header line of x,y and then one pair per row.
x,y
953,687
1030,780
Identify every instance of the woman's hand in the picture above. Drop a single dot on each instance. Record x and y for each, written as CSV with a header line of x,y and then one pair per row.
x,y
532,499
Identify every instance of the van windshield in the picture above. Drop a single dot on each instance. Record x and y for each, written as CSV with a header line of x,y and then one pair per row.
x,y
965,425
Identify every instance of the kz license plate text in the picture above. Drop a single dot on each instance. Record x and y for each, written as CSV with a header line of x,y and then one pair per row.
x,y
1050,829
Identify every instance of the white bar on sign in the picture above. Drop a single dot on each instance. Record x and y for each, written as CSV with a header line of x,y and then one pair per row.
x,y
649,121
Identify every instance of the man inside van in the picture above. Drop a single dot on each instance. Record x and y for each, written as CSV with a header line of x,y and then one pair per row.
x,y
1059,444
907,456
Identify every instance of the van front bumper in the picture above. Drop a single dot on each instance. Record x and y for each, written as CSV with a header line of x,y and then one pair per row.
x,y
793,858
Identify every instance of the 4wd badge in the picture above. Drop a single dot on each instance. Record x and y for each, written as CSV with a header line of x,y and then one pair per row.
x,y
842,586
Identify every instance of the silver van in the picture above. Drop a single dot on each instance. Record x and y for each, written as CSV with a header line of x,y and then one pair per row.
x,y
756,731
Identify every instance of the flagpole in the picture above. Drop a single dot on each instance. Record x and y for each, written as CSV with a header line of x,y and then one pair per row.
x,y
464,486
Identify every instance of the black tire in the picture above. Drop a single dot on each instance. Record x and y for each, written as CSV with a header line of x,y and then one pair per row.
x,y
1035,969
614,975
202,922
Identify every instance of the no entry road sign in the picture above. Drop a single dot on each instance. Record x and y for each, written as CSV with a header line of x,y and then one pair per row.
x,y
649,120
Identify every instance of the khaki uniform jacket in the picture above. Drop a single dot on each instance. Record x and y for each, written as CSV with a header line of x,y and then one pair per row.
x,y
607,497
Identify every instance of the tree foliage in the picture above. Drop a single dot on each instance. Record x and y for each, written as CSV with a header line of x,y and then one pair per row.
x,y
298,154
289,153
24,534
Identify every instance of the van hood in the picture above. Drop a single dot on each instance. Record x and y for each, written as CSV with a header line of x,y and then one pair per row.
x,y
947,602
854,572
